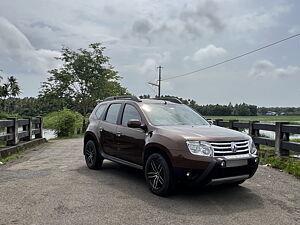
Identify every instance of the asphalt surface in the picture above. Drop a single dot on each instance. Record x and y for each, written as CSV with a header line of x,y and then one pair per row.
x,y
52,185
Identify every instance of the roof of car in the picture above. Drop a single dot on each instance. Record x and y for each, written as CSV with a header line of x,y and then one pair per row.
x,y
162,100
157,101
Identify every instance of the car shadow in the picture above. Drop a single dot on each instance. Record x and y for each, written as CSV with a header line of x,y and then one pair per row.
x,y
188,200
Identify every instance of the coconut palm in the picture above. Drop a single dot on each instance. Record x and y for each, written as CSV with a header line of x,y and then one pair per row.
x,y
14,88
10,89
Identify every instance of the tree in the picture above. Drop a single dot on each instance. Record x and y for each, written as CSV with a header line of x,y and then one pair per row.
x,y
13,86
9,90
144,96
241,110
253,110
85,77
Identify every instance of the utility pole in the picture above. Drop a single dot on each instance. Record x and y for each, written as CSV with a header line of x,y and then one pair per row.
x,y
159,80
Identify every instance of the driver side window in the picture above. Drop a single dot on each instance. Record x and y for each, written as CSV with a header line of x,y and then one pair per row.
x,y
130,112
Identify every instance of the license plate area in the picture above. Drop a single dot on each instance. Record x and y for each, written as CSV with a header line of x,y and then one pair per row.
x,y
236,163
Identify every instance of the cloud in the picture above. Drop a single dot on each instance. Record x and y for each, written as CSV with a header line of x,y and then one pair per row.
x,y
148,66
141,27
294,29
205,14
209,52
16,48
265,68
142,34
191,21
250,22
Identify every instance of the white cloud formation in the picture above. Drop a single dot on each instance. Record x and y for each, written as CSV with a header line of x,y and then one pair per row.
x,y
209,52
190,20
16,48
149,65
294,29
247,24
142,34
267,69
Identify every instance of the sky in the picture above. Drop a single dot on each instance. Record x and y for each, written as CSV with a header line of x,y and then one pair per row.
x,y
180,35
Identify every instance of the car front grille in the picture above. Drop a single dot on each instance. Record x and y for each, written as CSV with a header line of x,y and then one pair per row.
x,y
230,148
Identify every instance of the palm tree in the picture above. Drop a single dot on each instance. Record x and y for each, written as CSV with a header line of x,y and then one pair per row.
x,y
1,88
10,89
14,88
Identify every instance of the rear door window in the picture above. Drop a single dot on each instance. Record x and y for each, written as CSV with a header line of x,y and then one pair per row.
x,y
112,113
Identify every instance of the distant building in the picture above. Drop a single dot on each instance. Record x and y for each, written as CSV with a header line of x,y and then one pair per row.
x,y
270,113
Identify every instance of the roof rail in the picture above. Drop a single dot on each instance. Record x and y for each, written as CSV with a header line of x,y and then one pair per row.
x,y
125,97
170,99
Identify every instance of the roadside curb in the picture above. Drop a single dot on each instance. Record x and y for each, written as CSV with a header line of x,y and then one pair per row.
x,y
7,151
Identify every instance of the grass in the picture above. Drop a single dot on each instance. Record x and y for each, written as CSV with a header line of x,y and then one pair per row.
x,y
289,165
13,156
291,119
296,140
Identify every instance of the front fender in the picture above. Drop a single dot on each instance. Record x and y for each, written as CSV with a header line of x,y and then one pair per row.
x,y
156,146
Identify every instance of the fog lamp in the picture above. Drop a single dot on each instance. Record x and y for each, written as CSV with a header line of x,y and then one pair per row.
x,y
223,163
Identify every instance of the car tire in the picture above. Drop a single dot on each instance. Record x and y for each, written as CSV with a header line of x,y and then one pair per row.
x,y
159,175
93,158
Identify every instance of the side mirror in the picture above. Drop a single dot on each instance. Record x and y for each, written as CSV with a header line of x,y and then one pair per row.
x,y
134,123
211,122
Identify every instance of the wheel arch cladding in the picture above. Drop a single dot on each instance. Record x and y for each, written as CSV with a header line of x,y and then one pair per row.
x,y
89,136
157,148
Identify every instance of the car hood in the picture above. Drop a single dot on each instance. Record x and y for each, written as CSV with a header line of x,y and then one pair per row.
x,y
204,133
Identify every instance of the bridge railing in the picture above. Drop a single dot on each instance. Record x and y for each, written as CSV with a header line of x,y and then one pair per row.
x,y
14,130
282,143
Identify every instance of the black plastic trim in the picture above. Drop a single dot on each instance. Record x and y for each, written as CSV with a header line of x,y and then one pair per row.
x,y
121,161
124,97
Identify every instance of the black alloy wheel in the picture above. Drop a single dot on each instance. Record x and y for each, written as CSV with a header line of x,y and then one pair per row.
x,y
92,157
159,175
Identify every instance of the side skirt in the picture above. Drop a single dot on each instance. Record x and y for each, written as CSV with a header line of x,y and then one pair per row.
x,y
121,161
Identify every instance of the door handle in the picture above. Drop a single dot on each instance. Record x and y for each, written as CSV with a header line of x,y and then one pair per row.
x,y
118,134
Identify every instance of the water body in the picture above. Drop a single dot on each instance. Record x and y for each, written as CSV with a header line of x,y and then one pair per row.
x,y
48,134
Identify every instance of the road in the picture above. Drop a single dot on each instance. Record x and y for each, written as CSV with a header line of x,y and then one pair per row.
x,y
52,185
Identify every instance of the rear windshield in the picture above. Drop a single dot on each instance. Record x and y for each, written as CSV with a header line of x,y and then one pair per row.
x,y
172,114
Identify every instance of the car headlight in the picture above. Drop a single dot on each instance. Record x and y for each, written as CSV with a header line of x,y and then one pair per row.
x,y
201,148
252,148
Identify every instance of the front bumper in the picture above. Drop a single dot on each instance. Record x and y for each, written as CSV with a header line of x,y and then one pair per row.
x,y
221,169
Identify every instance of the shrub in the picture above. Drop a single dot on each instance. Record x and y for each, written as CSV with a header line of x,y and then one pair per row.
x,y
290,165
64,122
3,115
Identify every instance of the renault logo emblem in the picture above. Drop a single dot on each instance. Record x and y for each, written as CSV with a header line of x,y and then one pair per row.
x,y
233,147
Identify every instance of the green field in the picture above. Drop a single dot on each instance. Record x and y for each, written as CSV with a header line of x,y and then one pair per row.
x,y
291,119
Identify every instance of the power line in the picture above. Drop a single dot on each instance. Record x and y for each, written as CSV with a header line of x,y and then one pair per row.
x,y
152,89
231,59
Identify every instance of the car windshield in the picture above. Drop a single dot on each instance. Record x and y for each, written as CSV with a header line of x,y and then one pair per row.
x,y
172,114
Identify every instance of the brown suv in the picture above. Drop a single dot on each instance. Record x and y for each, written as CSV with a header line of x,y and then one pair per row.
x,y
169,141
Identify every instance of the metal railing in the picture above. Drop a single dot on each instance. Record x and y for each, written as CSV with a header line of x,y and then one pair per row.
x,y
282,143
